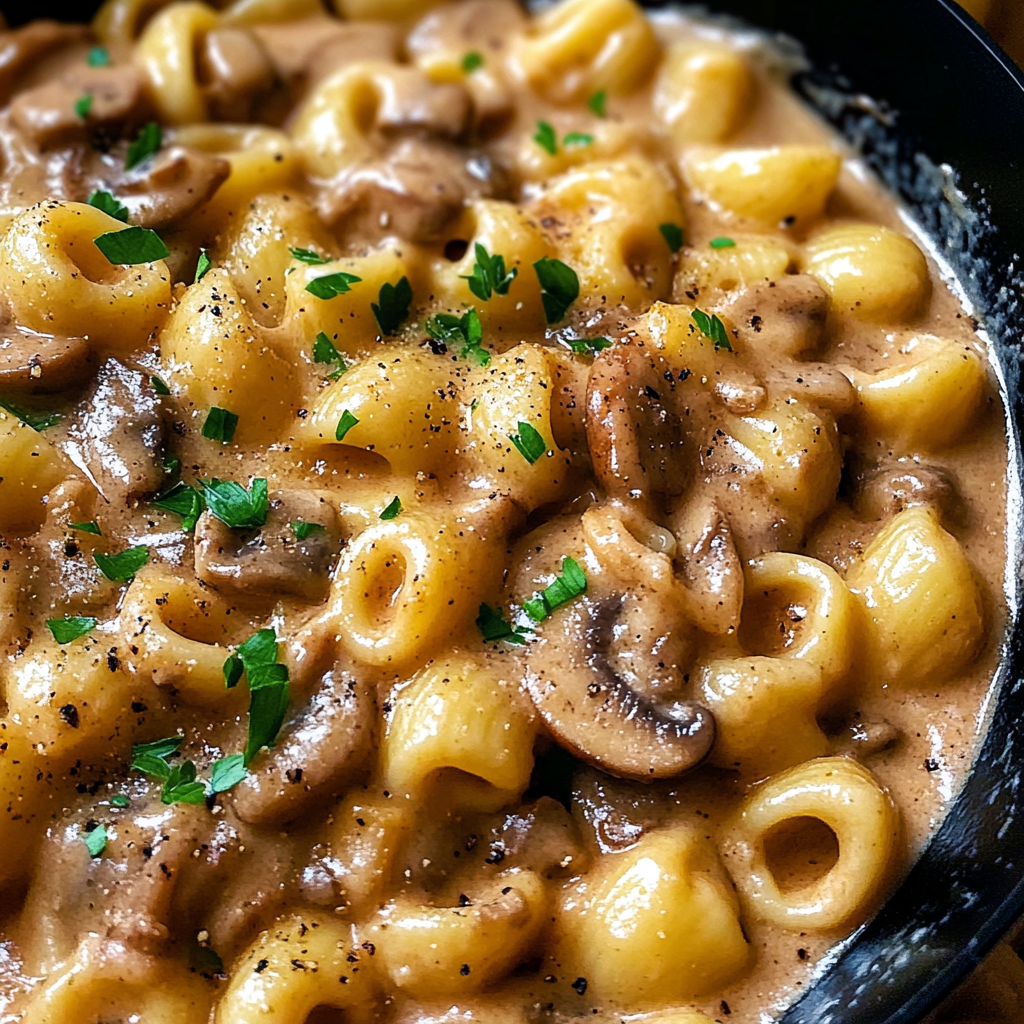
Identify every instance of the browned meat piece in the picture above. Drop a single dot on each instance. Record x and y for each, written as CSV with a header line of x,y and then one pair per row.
x,y
273,560
39,364
117,435
23,47
784,317
118,105
414,192
236,72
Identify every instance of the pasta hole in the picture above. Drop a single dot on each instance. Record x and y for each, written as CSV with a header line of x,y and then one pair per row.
x,y
774,623
385,588
326,1015
202,619
800,852
455,249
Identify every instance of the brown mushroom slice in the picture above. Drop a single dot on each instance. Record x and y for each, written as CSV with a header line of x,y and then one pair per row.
x,y
323,748
635,438
21,49
784,317
408,102
882,491
816,384
277,559
41,364
595,714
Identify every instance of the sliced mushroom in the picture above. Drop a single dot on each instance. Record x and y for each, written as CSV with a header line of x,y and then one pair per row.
x,y
882,491
410,104
275,559
22,48
323,748
541,836
116,435
47,114
40,364
784,317
236,73
817,384
635,439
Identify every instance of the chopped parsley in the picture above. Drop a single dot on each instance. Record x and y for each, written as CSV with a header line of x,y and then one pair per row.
x,y
35,420
392,306
567,585
124,565
83,105
220,425
131,246
493,626
98,57
713,328
473,60
465,331
310,256
71,627
598,103
545,137
302,530
345,424
183,501
151,758
393,509
147,143
325,352
90,527
268,688
202,266
234,506
576,139
227,772
560,287
588,346
722,243
182,787
529,443
120,800
330,285
106,202
158,385
489,275
673,235
96,840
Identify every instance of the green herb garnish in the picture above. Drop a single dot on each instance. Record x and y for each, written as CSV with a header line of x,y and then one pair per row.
x,y
345,424
98,57
588,346
324,350
545,137
393,305
465,331
220,425
158,385
569,584
227,772
394,507
310,256
473,60
106,202
713,328
90,527
529,443
673,235
577,139
71,627
598,102
202,266
303,530
96,840
83,105
560,287
330,285
183,501
181,786
493,626
35,420
120,800
147,143
131,246
722,243
489,275
234,506
124,565
268,688
151,758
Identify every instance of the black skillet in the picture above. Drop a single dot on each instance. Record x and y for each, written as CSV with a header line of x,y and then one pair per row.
x,y
945,129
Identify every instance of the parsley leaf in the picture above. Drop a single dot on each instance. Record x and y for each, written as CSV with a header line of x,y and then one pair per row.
x,y
545,137
489,275
345,424
529,443
577,139
330,285
120,800
466,331
560,287
71,627
96,840
310,256
124,565
598,102
302,530
394,507
722,243
151,758
91,527
713,328
98,57
393,307
131,246
147,143
158,385
220,425
473,60
569,584
181,786
35,420
588,346
259,650
106,202
324,350
202,266
268,702
673,235
492,625
184,501
83,105
233,505
227,772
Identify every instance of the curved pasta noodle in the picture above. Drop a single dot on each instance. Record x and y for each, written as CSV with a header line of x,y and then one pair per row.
x,y
58,282
30,467
118,23
750,260
847,799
